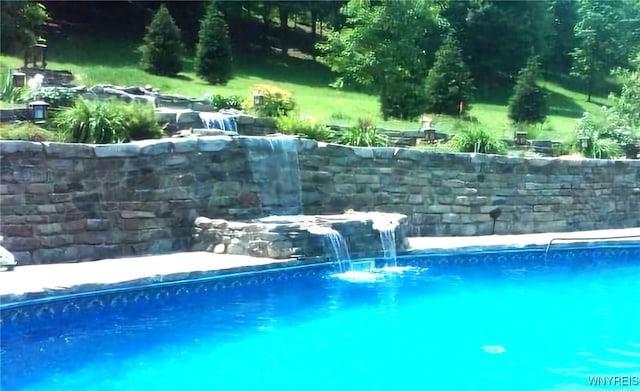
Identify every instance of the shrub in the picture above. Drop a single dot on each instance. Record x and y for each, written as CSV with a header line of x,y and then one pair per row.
x,y
276,102
477,138
303,127
140,122
162,47
362,135
226,101
92,122
528,104
604,139
107,122
213,60
402,98
55,96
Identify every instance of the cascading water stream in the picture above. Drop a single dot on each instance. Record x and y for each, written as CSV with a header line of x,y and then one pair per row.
x,y
335,244
212,120
387,231
276,171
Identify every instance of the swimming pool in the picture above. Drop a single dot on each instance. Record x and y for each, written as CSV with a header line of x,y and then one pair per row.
x,y
498,319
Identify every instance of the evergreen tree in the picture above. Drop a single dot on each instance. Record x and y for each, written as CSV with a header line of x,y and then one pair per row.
x,y
527,105
213,53
162,47
449,80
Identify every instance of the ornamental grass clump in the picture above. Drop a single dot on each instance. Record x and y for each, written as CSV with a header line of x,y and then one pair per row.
x,y
107,122
477,138
365,134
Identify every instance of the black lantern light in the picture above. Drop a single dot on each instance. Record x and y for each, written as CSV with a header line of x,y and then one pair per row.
x,y
430,135
38,110
19,79
521,138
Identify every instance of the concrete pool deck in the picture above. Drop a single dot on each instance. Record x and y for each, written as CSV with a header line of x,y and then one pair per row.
x,y
55,279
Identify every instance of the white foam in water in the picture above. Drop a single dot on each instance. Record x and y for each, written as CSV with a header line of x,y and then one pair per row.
x,y
398,269
373,275
494,349
359,276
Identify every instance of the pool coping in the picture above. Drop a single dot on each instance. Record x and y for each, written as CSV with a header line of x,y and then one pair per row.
x,y
38,281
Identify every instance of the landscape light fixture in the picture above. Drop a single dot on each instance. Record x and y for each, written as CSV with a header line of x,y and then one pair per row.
x,y
521,138
19,79
258,98
38,110
430,135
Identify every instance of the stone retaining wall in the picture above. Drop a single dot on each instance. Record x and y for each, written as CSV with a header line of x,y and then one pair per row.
x,y
69,202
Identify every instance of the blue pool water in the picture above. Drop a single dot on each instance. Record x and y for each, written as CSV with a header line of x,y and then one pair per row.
x,y
446,325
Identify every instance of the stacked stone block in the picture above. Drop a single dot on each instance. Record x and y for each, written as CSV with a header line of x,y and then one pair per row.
x,y
71,202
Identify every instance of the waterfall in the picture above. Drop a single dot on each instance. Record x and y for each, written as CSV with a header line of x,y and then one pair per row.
x,y
211,120
335,244
387,231
276,171
6,258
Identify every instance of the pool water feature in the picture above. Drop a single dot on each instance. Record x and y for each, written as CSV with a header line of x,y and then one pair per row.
x,y
335,246
215,120
387,229
276,171
498,320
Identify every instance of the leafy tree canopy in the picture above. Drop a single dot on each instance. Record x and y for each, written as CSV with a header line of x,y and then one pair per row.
x,y
381,46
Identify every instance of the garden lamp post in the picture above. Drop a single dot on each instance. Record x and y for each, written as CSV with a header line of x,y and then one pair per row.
x,y
38,110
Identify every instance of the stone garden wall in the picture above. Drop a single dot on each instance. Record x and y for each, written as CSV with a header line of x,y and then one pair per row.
x,y
70,202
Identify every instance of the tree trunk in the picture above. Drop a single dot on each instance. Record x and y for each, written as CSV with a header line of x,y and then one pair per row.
x,y
266,11
284,27
590,87
314,22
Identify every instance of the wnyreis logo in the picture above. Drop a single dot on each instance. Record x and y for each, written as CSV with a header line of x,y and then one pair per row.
x,y
614,381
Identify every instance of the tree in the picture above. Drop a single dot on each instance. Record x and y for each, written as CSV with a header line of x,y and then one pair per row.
x,y
497,37
162,47
565,17
601,43
449,80
527,105
213,60
21,21
380,48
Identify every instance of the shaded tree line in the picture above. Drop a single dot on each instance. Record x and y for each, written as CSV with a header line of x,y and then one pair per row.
x,y
394,48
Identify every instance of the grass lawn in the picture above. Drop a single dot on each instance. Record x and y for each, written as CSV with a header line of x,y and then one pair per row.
x,y
116,62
